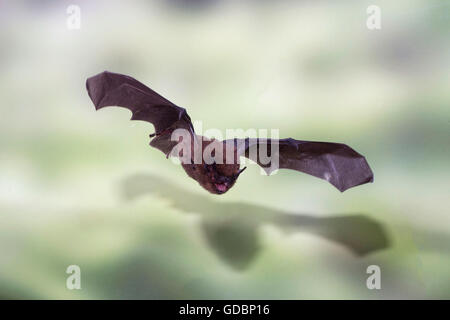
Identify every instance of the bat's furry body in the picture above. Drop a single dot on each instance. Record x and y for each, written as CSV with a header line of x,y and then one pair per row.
x,y
337,163
218,177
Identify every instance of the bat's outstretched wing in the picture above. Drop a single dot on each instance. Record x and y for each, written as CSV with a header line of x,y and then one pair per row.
x,y
113,89
337,163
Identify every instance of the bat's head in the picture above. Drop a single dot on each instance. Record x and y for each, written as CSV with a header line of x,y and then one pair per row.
x,y
216,178
221,177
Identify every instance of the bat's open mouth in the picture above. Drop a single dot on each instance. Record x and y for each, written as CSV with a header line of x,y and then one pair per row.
x,y
221,187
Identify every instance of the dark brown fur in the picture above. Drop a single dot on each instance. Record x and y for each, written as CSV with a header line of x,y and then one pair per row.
x,y
217,177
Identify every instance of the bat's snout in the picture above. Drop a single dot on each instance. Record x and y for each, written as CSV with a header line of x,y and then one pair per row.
x,y
222,187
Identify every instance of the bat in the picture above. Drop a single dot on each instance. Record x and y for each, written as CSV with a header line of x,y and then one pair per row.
x,y
336,163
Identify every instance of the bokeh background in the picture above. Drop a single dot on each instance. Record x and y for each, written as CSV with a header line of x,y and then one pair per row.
x,y
83,187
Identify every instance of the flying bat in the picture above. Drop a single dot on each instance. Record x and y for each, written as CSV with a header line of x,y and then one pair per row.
x,y
336,163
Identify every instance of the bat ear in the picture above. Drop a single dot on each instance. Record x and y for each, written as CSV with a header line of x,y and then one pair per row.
x,y
240,171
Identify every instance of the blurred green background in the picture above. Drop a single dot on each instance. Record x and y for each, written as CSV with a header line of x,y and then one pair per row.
x,y
83,187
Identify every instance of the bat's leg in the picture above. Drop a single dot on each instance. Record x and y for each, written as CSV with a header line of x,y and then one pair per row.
x,y
157,134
